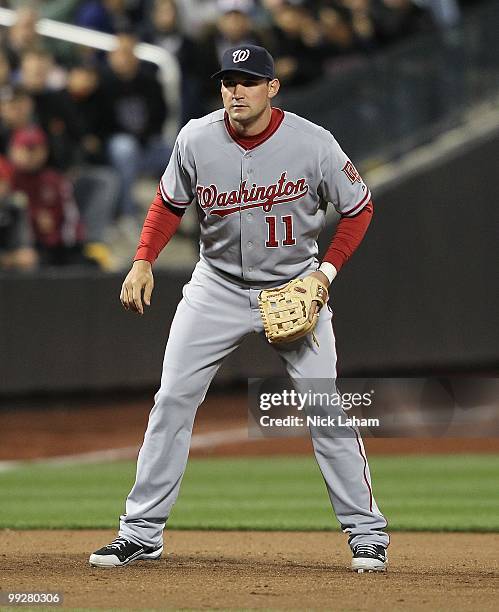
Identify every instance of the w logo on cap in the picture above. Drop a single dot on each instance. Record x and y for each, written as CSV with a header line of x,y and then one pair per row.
x,y
250,59
240,55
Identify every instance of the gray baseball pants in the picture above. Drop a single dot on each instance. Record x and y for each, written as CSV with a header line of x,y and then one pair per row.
x,y
211,321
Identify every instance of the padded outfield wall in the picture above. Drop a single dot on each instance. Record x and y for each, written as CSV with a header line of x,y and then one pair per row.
x,y
422,292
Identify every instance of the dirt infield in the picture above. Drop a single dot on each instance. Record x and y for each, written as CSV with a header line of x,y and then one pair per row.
x,y
280,571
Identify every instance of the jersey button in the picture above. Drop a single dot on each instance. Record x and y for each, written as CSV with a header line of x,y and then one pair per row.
x,y
250,244
250,269
250,215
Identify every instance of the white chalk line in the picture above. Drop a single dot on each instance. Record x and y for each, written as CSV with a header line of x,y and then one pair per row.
x,y
209,439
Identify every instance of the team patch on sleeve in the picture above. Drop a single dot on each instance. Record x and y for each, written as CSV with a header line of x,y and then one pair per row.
x,y
351,173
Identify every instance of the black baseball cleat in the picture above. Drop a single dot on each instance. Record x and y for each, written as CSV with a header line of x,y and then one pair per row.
x,y
369,558
121,552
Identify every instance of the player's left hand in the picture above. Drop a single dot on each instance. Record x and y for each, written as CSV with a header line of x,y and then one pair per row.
x,y
322,278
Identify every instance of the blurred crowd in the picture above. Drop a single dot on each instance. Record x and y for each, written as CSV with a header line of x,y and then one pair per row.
x,y
79,127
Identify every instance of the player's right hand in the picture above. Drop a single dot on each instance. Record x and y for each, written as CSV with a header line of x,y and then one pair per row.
x,y
137,287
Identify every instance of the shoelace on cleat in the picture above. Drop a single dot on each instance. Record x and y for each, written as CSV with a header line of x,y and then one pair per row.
x,y
118,543
368,549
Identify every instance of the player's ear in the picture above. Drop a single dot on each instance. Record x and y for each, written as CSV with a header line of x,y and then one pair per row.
x,y
274,86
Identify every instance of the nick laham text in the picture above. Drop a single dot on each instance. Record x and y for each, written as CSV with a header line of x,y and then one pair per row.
x,y
317,421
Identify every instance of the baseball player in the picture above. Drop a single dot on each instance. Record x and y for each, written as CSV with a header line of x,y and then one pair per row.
x,y
260,179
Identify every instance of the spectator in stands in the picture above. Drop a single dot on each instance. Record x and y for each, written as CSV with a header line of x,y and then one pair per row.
x,y
338,37
96,184
53,213
162,29
51,110
358,16
16,112
21,36
298,46
16,239
83,94
233,27
24,33
96,187
398,19
134,113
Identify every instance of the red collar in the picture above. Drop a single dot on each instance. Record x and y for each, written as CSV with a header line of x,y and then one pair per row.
x,y
250,142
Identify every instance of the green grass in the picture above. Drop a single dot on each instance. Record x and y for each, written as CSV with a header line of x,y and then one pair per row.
x,y
455,493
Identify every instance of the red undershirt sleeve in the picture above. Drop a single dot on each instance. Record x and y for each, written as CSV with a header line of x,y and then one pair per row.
x,y
160,224
348,235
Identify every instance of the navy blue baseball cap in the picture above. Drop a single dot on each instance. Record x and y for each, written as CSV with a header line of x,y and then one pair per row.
x,y
249,59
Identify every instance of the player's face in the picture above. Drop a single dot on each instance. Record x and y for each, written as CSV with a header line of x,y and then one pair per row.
x,y
246,97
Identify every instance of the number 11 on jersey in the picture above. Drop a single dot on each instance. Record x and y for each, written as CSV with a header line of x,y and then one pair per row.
x,y
272,242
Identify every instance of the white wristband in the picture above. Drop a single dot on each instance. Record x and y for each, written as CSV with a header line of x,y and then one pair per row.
x,y
329,270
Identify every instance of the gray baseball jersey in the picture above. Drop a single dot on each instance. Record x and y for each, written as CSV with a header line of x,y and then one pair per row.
x,y
251,203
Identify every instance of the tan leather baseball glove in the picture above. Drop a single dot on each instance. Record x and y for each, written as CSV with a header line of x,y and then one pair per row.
x,y
285,310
